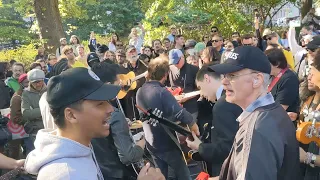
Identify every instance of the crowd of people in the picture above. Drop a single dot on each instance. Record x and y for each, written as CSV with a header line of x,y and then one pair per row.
x,y
254,91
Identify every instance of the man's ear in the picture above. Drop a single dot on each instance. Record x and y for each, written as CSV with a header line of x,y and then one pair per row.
x,y
206,78
69,116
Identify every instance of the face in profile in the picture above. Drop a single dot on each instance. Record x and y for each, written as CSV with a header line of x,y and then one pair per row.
x,y
93,118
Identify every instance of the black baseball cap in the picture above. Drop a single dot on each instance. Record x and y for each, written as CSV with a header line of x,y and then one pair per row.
x,y
244,57
314,43
78,84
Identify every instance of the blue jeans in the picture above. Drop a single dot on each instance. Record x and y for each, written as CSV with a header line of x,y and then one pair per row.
x,y
174,160
29,143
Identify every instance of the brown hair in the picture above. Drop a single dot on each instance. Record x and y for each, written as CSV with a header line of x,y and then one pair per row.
x,y
158,68
212,53
34,65
74,36
316,60
66,49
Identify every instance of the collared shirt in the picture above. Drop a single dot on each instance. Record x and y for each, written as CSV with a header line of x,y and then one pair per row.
x,y
219,92
261,101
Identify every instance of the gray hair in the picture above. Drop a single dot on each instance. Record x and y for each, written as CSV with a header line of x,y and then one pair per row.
x,y
266,81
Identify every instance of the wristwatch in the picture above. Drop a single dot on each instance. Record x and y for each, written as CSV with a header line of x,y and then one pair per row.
x,y
313,160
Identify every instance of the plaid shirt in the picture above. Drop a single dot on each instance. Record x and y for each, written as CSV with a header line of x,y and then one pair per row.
x,y
261,101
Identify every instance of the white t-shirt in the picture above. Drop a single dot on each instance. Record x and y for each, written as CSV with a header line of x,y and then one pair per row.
x,y
48,120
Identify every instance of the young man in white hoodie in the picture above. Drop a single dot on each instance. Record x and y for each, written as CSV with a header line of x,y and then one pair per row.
x,y
79,103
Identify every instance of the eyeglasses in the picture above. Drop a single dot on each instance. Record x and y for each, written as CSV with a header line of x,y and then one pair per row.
x,y
232,77
215,40
247,44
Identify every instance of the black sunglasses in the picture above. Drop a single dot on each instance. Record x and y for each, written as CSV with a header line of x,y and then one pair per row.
x,y
247,44
215,40
213,30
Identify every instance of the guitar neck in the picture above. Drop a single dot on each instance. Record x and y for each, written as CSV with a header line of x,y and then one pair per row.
x,y
140,76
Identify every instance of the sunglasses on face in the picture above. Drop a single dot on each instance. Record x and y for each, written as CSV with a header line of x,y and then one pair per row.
x,y
247,44
215,40
213,30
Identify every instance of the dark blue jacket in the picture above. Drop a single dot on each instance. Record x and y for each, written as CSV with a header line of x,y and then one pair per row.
x,y
153,95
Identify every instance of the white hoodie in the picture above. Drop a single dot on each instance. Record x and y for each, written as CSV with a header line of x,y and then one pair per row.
x,y
58,158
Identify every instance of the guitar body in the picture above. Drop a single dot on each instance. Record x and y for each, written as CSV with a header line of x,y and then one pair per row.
x,y
175,91
306,134
126,83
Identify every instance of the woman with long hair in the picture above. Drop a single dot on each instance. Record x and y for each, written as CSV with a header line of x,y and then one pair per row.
x,y
112,44
75,42
209,54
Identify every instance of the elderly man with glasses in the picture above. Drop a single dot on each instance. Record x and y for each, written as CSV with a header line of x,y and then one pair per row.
x,y
265,146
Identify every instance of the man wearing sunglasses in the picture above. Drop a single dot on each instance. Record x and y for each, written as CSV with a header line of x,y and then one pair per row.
x,y
272,37
247,40
217,42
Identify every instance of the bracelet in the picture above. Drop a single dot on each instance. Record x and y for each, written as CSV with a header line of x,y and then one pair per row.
x,y
308,158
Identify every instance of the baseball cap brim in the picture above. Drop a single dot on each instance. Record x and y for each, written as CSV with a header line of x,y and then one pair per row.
x,y
312,46
105,93
225,68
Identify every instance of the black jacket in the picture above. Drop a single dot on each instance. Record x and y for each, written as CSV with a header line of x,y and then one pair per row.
x,y
5,95
223,130
117,150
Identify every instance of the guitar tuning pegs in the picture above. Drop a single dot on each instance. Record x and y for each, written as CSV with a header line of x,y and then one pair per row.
x,y
316,115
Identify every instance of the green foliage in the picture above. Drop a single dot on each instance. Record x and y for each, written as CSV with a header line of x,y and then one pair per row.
x,y
25,54
12,26
105,16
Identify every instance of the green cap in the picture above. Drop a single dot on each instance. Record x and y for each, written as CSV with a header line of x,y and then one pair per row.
x,y
199,47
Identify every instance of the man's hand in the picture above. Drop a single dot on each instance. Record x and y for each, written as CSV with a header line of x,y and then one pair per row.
x,y
195,129
141,143
150,173
19,163
194,145
293,116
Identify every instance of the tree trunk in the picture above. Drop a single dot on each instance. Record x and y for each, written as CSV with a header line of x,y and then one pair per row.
x,y
50,23
306,5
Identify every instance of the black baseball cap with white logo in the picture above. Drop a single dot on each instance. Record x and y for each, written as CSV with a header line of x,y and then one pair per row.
x,y
78,84
244,57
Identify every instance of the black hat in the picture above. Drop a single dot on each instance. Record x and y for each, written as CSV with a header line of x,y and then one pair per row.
x,y
92,58
103,48
244,57
314,43
77,84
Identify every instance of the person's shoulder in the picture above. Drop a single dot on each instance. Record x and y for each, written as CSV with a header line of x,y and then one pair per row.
x,y
291,76
55,171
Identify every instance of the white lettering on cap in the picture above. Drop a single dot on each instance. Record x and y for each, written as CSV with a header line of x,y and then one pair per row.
x,y
233,56
93,75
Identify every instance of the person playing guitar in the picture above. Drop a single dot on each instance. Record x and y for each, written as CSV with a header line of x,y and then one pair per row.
x,y
224,124
160,141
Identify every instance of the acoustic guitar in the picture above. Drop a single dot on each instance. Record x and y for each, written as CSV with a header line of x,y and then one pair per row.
x,y
128,82
309,131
